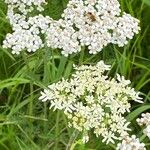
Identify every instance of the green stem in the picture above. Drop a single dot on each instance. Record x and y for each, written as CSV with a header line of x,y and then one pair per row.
x,y
112,146
81,58
26,61
31,100
53,65
46,117
142,137
57,131
71,144
46,60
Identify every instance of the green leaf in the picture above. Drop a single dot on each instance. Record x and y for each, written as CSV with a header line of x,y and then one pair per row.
x,y
18,107
137,112
68,69
61,67
13,81
147,2
55,8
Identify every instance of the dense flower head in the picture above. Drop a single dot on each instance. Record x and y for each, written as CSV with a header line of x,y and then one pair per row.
x,y
25,6
90,23
145,121
92,100
131,143
27,33
63,36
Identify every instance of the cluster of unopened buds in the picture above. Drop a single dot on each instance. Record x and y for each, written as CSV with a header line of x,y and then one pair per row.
x,y
93,101
145,121
90,23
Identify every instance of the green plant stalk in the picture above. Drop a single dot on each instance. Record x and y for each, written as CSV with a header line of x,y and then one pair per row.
x,y
31,100
71,144
81,58
57,131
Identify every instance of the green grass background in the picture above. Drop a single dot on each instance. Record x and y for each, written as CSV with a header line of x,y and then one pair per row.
x,y
28,124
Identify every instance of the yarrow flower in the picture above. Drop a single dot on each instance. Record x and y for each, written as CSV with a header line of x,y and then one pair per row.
x,y
90,23
131,143
145,121
26,30
25,6
92,100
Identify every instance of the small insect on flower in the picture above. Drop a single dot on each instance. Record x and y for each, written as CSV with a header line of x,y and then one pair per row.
x,y
91,16
90,23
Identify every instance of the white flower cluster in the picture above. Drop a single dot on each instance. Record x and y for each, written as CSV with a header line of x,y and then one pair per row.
x,y
145,120
131,143
98,23
27,33
91,100
90,23
63,36
25,6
